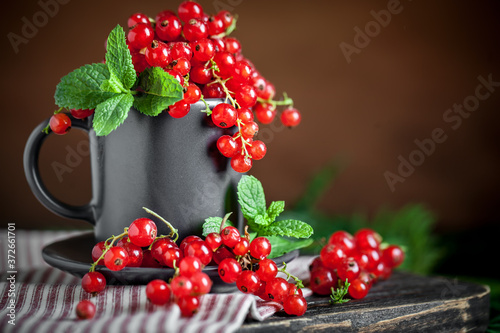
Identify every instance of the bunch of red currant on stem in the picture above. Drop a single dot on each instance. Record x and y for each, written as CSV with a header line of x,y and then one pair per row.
x,y
195,48
354,261
238,260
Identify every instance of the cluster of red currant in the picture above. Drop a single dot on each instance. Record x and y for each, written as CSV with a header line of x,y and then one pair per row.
x,y
237,260
246,264
194,47
360,260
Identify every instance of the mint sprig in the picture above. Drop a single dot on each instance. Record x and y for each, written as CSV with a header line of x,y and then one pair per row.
x,y
113,88
337,296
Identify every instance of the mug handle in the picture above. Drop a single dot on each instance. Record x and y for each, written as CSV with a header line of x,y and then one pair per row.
x,y
32,173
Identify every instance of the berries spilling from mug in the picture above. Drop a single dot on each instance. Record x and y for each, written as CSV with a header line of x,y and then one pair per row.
x,y
355,262
238,260
195,48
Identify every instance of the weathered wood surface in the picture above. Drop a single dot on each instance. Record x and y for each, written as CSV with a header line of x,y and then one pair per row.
x,y
403,303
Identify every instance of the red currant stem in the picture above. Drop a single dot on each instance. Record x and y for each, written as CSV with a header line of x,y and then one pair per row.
x,y
287,101
186,80
229,29
298,282
244,143
109,245
173,232
46,129
222,82
207,110
176,269
224,221
59,110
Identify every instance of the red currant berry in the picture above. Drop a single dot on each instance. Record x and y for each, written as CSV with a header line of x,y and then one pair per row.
x,y
322,280
213,90
219,44
267,270
224,115
241,163
225,62
258,150
381,271
362,259
229,270
157,54
194,30
181,65
81,114
367,239
343,239
222,253
189,266
158,292
230,236
348,269
181,286
134,254
188,305
200,250
265,113
215,25
373,258
228,146
169,28
201,284
93,282
315,264
160,246
248,282
142,232
179,109
213,240
246,96
232,45
137,18
188,240
163,14
241,248
175,74
227,18
260,248
245,115
85,310
140,36
60,123
331,255
139,62
269,91
116,258
290,117
189,10
249,130
358,289
393,256
180,50
277,289
295,305
192,94
243,72
203,49
148,260
171,257
97,252
293,290
200,74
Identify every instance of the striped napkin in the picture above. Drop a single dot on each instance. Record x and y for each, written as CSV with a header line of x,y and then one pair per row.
x,y
45,298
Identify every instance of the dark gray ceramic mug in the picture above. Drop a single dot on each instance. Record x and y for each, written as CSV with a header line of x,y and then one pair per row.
x,y
168,165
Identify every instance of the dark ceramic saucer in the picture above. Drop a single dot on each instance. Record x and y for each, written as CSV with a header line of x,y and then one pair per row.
x,y
72,255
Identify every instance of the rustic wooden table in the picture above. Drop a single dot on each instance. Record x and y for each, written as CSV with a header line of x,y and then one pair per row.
x,y
403,303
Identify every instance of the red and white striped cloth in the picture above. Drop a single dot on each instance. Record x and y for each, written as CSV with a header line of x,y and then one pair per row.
x,y
46,298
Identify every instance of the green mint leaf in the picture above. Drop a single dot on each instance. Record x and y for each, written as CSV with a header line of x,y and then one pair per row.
x,y
274,210
158,90
81,89
280,245
290,228
251,198
113,85
261,221
112,113
118,58
212,224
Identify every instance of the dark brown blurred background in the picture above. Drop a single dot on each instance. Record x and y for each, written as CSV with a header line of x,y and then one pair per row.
x,y
394,90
